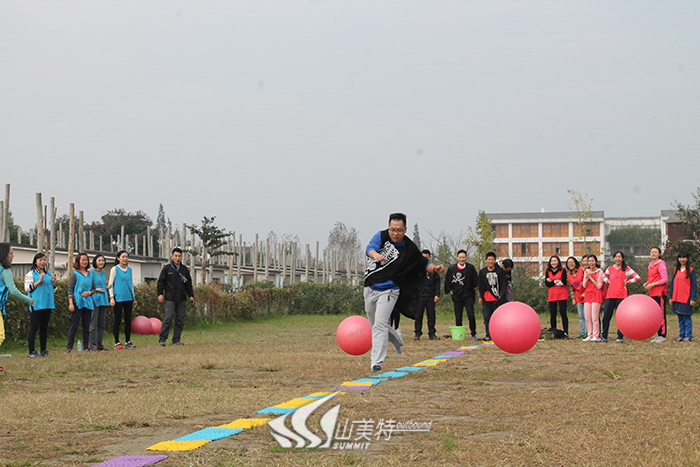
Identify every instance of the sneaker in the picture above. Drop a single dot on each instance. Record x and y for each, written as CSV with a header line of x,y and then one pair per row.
x,y
582,336
129,345
687,339
102,348
474,338
487,340
596,339
179,343
44,353
117,345
587,339
680,339
434,338
33,354
619,341
376,368
604,339
161,343
660,340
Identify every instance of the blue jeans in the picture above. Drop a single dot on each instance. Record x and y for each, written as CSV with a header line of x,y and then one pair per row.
x,y
581,319
685,323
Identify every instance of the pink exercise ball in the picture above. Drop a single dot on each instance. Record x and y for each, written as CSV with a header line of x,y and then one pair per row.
x,y
156,324
141,325
354,335
514,327
639,317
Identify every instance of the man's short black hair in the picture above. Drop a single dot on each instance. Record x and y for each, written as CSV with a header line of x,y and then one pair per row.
x,y
398,216
426,252
507,263
176,250
461,251
490,254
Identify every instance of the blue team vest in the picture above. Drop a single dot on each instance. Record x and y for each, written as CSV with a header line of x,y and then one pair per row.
x,y
100,281
43,294
82,284
123,285
4,291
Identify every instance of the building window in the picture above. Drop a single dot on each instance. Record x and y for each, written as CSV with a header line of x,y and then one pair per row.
x,y
501,230
525,250
555,248
525,230
586,248
559,229
587,229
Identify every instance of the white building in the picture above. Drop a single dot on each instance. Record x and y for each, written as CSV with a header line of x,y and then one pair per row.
x,y
531,238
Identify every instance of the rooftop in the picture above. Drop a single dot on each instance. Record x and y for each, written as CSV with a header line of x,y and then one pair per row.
x,y
542,215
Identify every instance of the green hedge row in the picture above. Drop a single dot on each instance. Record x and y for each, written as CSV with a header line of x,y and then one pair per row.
x,y
212,305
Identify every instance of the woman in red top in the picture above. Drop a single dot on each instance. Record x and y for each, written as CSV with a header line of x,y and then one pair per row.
x,y
593,298
616,277
555,280
575,278
684,289
657,278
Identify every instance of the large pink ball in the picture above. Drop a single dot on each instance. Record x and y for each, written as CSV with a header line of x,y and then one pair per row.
x,y
156,325
639,317
514,327
354,335
141,325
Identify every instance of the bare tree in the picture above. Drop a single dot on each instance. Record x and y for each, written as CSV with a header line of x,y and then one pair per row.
x,y
343,241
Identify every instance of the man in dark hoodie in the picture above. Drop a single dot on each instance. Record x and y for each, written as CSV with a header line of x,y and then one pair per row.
x,y
460,282
493,286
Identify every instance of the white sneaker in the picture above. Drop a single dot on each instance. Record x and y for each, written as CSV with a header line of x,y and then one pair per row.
x,y
596,339
660,340
587,339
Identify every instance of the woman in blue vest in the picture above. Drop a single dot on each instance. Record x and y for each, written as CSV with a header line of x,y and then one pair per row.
x,y
80,304
7,286
122,298
101,300
39,284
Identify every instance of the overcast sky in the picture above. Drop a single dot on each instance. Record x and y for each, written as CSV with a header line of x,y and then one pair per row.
x,y
292,115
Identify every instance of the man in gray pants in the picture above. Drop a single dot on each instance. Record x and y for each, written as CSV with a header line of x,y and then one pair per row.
x,y
174,287
393,261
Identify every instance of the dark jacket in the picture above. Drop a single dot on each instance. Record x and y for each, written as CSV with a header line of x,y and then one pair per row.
x,y
495,282
461,282
174,284
430,285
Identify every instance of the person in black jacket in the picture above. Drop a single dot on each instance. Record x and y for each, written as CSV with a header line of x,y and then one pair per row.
x,y
460,282
428,296
174,287
493,287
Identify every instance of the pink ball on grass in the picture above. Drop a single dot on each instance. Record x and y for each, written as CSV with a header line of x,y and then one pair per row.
x,y
156,325
639,317
514,327
354,335
141,325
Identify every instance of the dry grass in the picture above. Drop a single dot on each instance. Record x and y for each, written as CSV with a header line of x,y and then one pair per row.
x,y
562,403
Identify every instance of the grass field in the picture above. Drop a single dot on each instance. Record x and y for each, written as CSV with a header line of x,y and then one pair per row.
x,y
562,403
